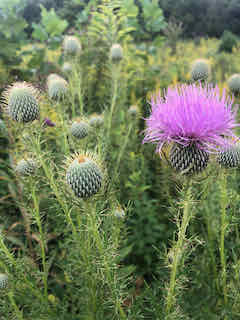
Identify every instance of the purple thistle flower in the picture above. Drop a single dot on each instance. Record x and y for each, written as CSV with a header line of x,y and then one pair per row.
x,y
191,115
48,122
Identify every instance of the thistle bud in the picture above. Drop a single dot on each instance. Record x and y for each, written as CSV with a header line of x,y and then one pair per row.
x,y
133,111
79,129
96,120
119,213
3,281
22,103
71,45
229,157
26,167
200,70
84,176
57,87
67,68
234,83
116,53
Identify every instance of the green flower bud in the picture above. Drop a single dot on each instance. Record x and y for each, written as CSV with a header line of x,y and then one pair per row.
x,y
22,103
200,70
57,87
80,129
234,83
116,53
26,167
96,120
71,45
3,281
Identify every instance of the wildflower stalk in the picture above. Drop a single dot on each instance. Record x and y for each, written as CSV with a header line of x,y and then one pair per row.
x,y
178,250
122,149
50,177
115,78
224,203
14,305
42,240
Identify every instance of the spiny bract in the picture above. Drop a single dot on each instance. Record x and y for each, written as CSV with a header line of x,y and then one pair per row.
x,y
79,129
188,160
3,281
200,70
22,103
234,83
26,167
71,45
229,157
84,176
116,52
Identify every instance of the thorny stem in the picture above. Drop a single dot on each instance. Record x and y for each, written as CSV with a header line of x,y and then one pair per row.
x,y
178,250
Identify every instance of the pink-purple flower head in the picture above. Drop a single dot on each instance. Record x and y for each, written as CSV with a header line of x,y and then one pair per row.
x,y
191,114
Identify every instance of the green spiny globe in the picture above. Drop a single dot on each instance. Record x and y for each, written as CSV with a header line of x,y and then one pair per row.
x,y
84,176
3,281
116,53
96,120
230,157
234,83
200,70
57,88
189,159
133,111
71,45
79,129
67,68
21,101
26,167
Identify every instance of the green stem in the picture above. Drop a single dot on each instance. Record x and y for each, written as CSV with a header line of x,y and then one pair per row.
x,y
178,250
15,307
115,76
42,241
224,203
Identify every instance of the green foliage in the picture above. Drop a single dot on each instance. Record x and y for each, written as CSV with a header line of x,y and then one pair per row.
x,y
228,42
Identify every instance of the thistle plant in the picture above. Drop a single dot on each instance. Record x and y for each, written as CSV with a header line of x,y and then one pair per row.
x,y
234,83
200,70
96,120
84,175
80,129
22,102
193,120
71,45
67,68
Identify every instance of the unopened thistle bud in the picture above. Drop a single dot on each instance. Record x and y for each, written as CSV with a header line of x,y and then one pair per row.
x,y
3,281
96,120
116,53
57,87
67,68
71,45
200,70
229,157
119,213
22,102
26,167
133,111
80,129
84,176
234,83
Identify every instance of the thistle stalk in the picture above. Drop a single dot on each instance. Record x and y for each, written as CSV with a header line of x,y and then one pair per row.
x,y
178,250
224,203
